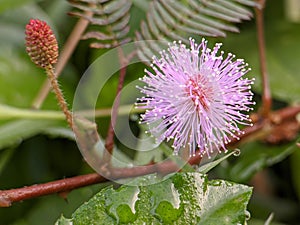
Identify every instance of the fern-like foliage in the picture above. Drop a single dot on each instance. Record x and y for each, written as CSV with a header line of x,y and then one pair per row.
x,y
112,17
169,20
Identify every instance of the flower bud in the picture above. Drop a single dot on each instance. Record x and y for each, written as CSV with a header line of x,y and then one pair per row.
x,y
41,44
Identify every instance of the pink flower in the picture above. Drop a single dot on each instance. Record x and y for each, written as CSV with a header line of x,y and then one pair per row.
x,y
41,44
195,98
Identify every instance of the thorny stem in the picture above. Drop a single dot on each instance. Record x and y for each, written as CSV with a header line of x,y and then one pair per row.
x,y
266,96
66,53
7,197
59,95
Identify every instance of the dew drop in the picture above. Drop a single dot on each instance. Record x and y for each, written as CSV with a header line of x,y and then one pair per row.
x,y
247,215
237,152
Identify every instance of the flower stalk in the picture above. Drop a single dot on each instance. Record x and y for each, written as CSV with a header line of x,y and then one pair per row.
x,y
42,47
266,92
59,95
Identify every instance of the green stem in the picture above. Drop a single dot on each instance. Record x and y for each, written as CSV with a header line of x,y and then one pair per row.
x,y
9,112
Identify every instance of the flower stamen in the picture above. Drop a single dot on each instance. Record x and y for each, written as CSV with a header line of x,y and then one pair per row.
x,y
197,95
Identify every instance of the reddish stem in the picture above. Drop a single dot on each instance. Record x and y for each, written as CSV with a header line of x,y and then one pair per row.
x,y
109,142
281,114
7,197
266,95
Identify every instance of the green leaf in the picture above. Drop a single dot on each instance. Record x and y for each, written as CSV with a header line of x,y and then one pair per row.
x,y
208,166
254,157
63,221
144,5
13,132
184,198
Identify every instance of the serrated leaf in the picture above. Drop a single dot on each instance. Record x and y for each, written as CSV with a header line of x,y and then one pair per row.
x,y
184,198
63,221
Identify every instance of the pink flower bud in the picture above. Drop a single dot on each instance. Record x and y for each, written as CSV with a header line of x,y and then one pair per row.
x,y
41,44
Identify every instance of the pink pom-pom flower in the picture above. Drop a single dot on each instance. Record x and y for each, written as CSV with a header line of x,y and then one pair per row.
x,y
196,98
